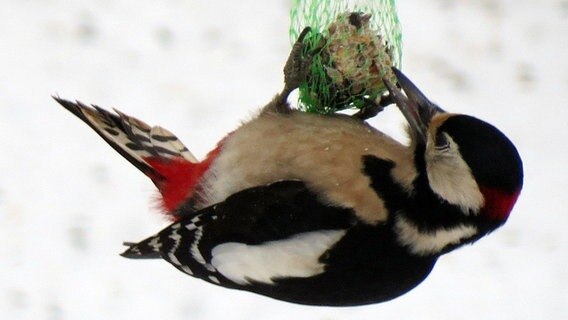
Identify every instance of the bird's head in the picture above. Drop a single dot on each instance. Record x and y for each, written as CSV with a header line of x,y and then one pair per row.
x,y
464,161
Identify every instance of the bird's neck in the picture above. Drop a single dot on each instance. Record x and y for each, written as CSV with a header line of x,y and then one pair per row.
x,y
423,223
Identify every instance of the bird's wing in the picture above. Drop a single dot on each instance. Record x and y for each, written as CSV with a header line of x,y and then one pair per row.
x,y
256,235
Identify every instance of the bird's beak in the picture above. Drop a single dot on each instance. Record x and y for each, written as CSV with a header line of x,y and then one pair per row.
x,y
415,107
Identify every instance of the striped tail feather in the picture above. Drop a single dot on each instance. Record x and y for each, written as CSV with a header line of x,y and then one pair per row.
x,y
155,151
146,249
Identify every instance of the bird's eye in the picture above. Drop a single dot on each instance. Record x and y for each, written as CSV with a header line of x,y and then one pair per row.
x,y
442,142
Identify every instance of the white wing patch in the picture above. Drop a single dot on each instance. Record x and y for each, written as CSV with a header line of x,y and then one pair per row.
x,y
432,242
297,256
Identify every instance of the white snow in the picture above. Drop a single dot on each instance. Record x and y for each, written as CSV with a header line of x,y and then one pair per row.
x,y
67,200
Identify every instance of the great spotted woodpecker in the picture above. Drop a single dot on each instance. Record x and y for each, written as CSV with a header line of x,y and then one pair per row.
x,y
321,209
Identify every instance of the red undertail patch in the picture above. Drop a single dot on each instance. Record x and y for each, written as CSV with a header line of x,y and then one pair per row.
x,y
179,178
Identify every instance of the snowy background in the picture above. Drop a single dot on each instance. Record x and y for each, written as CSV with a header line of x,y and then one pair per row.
x,y
67,200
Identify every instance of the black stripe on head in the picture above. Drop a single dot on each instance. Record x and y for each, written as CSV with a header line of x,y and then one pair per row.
x,y
491,156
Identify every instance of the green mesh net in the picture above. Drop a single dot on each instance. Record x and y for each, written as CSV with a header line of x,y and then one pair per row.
x,y
355,44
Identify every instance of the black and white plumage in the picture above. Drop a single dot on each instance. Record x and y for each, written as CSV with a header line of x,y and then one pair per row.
x,y
325,210
279,240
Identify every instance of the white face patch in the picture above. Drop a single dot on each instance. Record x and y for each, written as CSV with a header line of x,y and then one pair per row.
x,y
297,256
450,177
424,243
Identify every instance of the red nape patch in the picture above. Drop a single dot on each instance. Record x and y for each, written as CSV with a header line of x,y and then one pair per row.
x,y
498,204
178,178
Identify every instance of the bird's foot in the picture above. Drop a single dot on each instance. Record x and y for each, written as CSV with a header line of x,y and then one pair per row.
x,y
297,66
371,108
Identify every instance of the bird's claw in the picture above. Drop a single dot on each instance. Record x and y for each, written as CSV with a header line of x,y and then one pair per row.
x,y
297,66
372,108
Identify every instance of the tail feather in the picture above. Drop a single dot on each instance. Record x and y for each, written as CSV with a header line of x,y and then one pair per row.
x,y
155,151
165,142
153,141
112,130
147,249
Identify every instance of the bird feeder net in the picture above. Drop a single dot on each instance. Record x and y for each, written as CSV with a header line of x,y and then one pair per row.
x,y
354,45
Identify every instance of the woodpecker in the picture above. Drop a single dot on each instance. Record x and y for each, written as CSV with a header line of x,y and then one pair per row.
x,y
321,209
